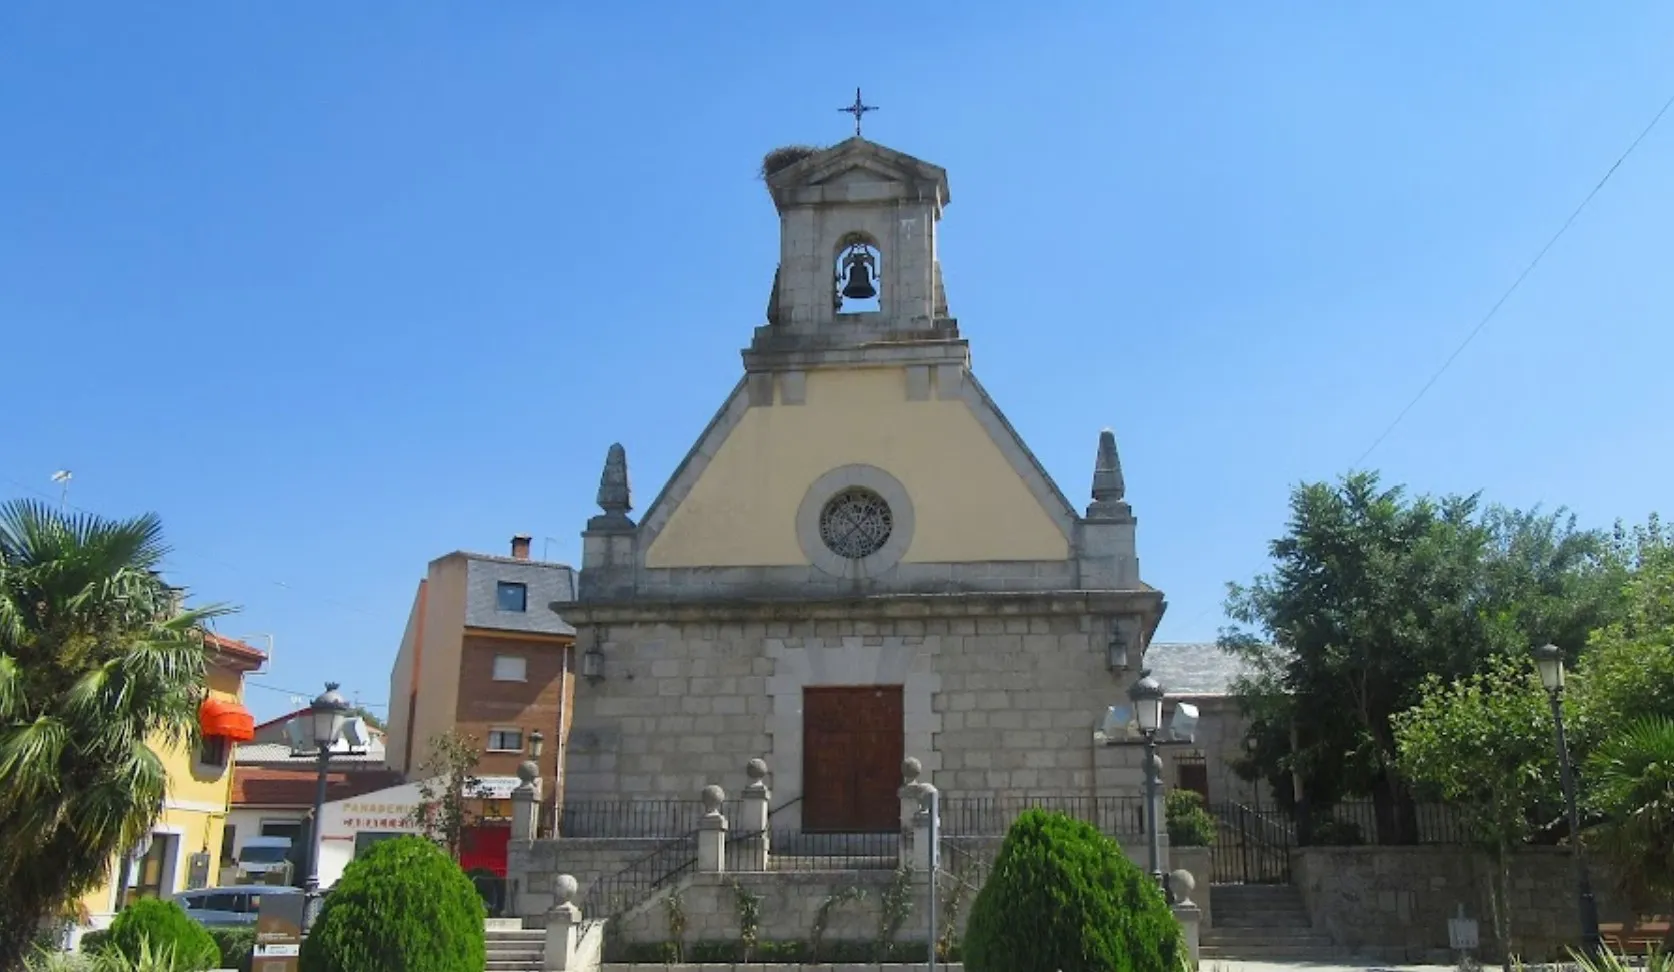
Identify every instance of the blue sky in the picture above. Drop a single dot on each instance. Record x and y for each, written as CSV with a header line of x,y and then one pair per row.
x,y
339,288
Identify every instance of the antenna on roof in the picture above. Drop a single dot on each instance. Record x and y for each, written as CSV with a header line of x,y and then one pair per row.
x,y
62,477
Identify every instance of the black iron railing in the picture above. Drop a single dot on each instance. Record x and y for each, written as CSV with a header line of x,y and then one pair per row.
x,y
648,819
993,816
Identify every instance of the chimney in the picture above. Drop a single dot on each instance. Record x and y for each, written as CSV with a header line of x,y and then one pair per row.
x,y
520,546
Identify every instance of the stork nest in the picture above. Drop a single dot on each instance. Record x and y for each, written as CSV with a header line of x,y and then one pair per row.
x,y
784,157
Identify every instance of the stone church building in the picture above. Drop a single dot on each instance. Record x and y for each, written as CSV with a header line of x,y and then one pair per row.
x,y
859,559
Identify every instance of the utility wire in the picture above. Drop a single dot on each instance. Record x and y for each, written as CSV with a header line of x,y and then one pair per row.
x,y
1495,309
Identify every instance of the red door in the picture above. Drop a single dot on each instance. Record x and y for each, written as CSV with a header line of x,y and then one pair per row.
x,y
852,746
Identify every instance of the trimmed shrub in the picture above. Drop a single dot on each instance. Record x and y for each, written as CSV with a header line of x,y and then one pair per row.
x,y
402,906
167,928
1189,823
237,946
1063,896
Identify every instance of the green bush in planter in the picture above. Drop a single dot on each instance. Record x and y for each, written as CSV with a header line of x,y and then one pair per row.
x,y
237,946
1189,823
1063,896
402,906
166,926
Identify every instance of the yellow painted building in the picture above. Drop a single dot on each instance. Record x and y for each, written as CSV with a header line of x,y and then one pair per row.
x,y
184,847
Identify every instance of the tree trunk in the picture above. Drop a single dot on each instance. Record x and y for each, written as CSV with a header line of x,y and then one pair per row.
x,y
1502,909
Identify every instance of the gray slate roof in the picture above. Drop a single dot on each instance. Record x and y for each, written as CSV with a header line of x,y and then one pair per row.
x,y
1192,669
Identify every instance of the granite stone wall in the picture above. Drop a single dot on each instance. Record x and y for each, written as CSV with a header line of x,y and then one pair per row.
x,y
1002,703
1399,899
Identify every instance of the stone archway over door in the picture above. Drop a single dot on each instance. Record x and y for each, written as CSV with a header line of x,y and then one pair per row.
x,y
852,747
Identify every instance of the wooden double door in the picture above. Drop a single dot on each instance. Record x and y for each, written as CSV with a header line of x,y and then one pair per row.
x,y
852,747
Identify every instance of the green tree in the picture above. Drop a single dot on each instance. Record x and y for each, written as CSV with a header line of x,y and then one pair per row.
x,y
1061,896
98,663
447,776
401,906
1632,785
163,925
1370,593
1484,745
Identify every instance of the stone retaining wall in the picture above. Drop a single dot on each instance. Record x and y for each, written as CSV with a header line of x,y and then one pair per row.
x,y
790,902
837,967
1400,898
531,867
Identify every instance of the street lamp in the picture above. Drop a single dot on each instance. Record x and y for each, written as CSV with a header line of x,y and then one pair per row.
x,y
1146,694
1549,660
326,716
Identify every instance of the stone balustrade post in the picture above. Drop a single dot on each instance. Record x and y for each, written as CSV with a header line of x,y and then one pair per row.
x,y
712,832
526,807
563,926
1180,885
752,819
921,844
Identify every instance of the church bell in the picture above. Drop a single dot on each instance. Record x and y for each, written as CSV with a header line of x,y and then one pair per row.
x,y
859,267
859,285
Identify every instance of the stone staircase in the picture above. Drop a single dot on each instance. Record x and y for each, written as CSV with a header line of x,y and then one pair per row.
x,y
513,948
1263,922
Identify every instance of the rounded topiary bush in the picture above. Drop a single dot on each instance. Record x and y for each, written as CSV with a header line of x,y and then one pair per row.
x,y
167,927
1063,896
402,906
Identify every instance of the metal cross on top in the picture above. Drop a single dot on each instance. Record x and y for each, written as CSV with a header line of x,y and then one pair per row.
x,y
858,109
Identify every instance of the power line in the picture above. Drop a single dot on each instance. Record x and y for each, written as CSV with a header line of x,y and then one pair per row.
x,y
1495,309
285,691
1509,291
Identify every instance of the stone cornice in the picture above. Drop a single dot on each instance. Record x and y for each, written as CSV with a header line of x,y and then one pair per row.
x,y
1147,602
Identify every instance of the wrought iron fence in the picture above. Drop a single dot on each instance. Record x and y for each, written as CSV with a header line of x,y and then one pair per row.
x,y
1251,846
1356,822
648,819
796,851
634,883
993,816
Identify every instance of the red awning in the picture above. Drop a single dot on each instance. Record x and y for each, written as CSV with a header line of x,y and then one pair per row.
x,y
229,720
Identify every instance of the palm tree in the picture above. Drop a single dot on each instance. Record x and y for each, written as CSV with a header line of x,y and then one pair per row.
x,y
98,663
1632,777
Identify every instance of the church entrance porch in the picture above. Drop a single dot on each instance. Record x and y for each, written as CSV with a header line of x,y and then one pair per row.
x,y
853,744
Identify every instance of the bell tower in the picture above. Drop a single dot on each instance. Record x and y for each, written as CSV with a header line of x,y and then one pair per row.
x,y
857,248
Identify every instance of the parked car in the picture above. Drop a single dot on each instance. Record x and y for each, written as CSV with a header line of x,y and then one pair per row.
x,y
228,906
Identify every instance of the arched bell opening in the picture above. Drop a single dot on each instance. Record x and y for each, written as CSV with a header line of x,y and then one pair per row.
x,y
858,280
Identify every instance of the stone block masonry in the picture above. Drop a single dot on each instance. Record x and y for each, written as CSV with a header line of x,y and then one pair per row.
x,y
1395,901
1001,693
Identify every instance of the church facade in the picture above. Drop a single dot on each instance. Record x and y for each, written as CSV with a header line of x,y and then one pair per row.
x,y
859,560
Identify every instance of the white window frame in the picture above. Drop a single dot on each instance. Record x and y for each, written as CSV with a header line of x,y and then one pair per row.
x,y
499,730
522,666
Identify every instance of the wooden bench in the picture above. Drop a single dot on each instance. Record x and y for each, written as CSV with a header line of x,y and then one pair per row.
x,y
1639,938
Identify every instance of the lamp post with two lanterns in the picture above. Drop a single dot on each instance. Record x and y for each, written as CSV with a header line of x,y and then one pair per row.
x,y
1549,659
1147,697
326,717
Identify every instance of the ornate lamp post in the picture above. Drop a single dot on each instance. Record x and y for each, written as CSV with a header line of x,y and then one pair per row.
x,y
1549,659
326,717
1146,694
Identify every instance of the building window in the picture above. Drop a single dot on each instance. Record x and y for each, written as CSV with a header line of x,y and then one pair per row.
x,y
212,751
152,877
229,843
505,740
512,597
511,668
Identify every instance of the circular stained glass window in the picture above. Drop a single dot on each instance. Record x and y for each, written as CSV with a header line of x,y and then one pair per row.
x,y
856,523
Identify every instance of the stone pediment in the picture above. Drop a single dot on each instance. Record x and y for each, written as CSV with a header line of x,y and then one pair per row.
x,y
857,168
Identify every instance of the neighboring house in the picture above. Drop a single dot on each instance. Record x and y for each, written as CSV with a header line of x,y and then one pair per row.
x,y
484,654
275,781
180,852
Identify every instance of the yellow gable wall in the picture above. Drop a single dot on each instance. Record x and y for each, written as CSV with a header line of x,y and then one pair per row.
x,y
195,809
969,504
